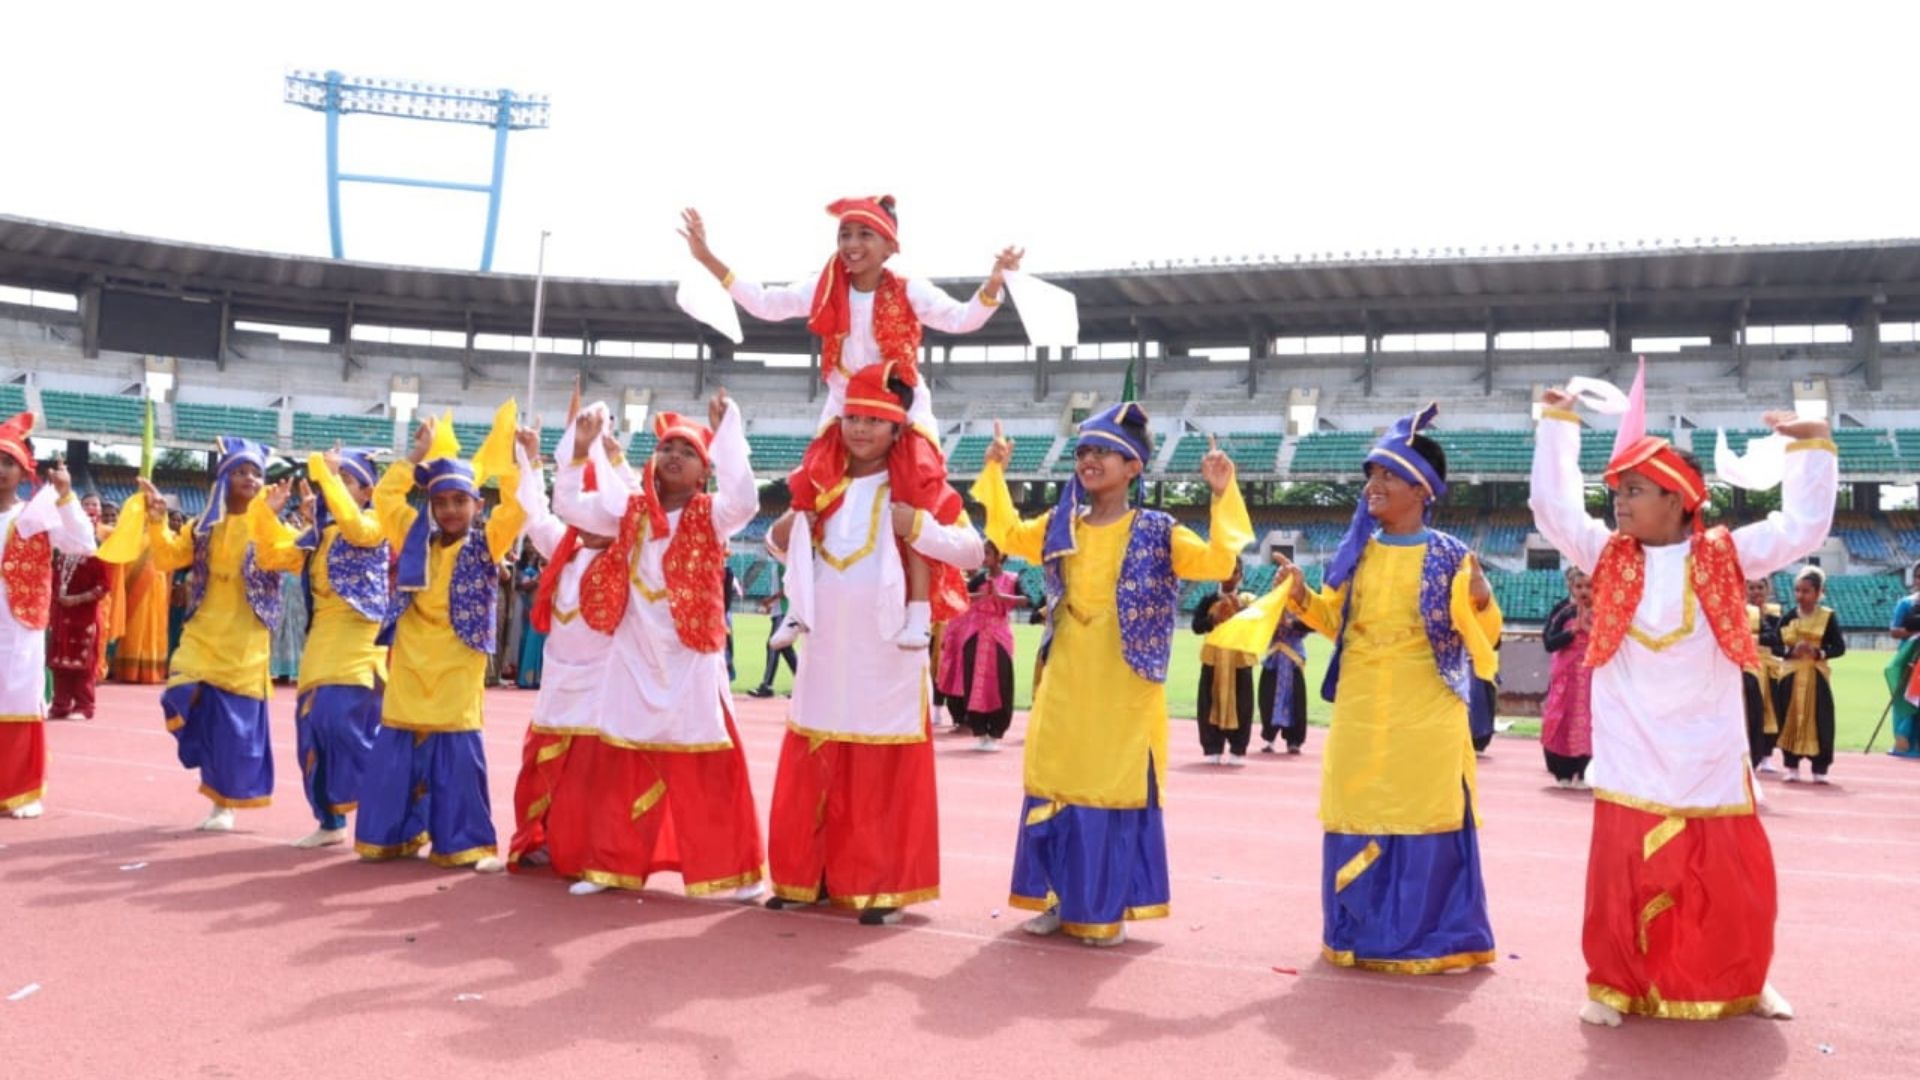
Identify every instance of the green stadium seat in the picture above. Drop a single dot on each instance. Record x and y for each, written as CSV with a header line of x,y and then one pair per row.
x,y
198,422
93,414
316,431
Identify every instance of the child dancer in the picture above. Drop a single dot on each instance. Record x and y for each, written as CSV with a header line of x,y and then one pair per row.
x,y
976,656
1283,686
854,817
1226,694
864,315
1413,623
342,669
30,531
1756,683
1803,695
1566,718
426,773
216,699
1680,886
668,785
1092,842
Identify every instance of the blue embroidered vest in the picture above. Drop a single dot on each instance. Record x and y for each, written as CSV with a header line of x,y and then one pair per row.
x,y
356,574
1444,555
474,603
262,586
1147,596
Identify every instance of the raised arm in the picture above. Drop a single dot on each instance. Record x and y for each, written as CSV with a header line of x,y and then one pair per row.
x,y
357,526
1807,496
1229,530
390,506
273,539
1559,495
735,499
1015,536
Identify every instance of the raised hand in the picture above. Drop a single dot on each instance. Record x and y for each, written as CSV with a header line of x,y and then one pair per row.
x,y
1557,398
1216,467
1477,587
59,477
716,409
422,441
309,502
1283,572
1000,450
276,495
1794,426
332,458
586,428
156,502
528,440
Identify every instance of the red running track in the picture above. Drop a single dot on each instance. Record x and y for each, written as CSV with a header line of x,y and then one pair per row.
x,y
162,952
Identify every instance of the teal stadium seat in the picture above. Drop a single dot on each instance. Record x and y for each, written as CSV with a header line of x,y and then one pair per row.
x,y
94,414
317,431
197,422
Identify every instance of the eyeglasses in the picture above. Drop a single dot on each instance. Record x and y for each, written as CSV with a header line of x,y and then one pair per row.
x,y
1093,450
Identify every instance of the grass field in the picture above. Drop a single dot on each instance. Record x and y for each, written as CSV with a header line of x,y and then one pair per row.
x,y
1859,688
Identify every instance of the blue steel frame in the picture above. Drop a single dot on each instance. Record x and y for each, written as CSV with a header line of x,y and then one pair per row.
x,y
509,112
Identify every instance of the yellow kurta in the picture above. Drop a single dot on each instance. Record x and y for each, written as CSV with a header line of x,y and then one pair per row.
x,y
1399,756
340,649
225,644
142,655
1096,726
436,683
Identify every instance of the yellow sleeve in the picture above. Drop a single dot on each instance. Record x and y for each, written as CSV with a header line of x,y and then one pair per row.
x,y
171,550
507,519
357,526
272,538
1324,610
1480,630
1015,536
1214,558
390,505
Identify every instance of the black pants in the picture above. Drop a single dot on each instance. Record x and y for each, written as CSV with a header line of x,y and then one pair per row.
x,y
1294,727
1213,739
1759,743
991,724
774,656
1567,768
1822,720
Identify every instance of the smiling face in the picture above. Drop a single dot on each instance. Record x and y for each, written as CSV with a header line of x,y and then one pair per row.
x,y
91,507
1104,470
1648,512
453,512
1759,593
863,248
1394,501
868,438
677,468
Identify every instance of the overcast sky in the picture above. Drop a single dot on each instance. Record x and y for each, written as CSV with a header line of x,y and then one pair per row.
x,y
1098,134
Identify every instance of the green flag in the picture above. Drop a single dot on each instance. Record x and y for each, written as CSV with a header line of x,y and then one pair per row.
x,y
146,444
1126,388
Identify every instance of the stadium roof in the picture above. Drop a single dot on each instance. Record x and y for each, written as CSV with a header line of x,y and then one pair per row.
x,y
1669,292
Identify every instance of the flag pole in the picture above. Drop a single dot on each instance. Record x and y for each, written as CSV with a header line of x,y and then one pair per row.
x,y
539,306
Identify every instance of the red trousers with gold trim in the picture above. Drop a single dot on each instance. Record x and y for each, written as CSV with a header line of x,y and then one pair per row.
x,y
544,758
23,763
1680,912
620,815
857,819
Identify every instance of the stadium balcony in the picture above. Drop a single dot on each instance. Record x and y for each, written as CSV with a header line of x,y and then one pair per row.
x,y
316,431
104,414
1906,529
195,421
1863,541
1868,450
1338,452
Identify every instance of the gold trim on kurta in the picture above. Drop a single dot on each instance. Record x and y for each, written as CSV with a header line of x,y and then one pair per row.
x,y
235,804
1662,642
648,800
614,881
816,738
1424,966
725,884
1813,444
1654,1005
873,536
1652,911
463,858
1560,414
1648,806
18,801
1356,866
885,900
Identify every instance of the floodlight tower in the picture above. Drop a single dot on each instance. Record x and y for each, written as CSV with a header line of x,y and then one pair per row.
x,y
335,95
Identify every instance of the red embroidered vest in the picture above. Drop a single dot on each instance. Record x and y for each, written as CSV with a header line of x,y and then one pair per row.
x,y
694,564
896,330
28,569
1719,587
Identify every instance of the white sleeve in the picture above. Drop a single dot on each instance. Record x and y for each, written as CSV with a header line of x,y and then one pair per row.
x,y
1807,495
590,511
1559,495
64,522
736,499
942,312
773,303
958,545
543,530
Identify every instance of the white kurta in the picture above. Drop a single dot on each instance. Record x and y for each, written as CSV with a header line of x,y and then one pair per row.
x,y
931,303
856,685
23,652
1669,725
574,662
659,693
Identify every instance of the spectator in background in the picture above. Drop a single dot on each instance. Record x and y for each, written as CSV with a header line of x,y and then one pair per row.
x,y
1900,672
775,607
1225,702
1763,723
1566,719
1803,697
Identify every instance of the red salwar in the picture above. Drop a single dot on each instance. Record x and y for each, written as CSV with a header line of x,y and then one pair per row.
x,y
545,757
23,762
1680,912
620,814
857,821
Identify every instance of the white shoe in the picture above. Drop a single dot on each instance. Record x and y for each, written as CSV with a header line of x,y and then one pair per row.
x,y
492,864
1599,1015
918,633
1821,778
1772,1006
1043,924
586,888
1579,783
322,838
1792,776
987,744
1107,942
221,820
1235,761
1767,768
745,894
27,810
1212,759
1562,782
787,633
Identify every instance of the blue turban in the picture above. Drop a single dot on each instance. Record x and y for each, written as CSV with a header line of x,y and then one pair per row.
x,y
1394,452
1101,429
234,452
357,463
433,477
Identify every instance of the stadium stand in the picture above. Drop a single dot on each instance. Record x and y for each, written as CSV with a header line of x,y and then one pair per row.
x,y
774,453
197,422
314,431
13,399
1252,452
1862,601
1338,452
103,414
